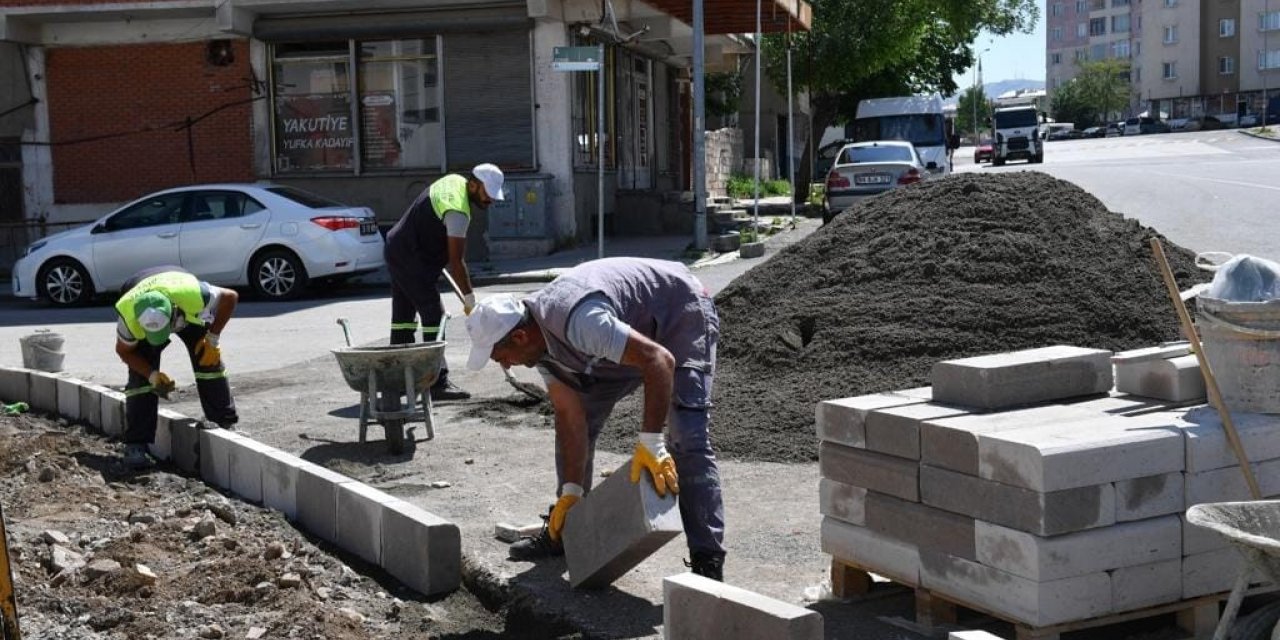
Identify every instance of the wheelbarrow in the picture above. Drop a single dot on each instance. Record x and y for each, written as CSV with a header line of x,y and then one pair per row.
x,y
383,375
1253,528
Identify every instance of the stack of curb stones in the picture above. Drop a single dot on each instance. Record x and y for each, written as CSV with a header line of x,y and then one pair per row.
x,y
1024,485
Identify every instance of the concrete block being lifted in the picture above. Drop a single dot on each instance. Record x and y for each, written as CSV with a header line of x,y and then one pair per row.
x,y
1004,380
421,549
698,608
843,421
616,527
895,431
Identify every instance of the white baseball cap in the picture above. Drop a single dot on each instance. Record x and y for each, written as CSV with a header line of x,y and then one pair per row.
x,y
490,321
491,177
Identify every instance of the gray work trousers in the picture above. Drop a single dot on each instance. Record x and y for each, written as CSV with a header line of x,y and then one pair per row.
x,y
701,506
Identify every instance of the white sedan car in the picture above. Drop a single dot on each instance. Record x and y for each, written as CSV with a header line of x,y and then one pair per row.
x,y
273,238
866,168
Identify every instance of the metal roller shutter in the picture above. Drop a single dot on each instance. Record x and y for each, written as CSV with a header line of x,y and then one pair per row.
x,y
410,24
488,99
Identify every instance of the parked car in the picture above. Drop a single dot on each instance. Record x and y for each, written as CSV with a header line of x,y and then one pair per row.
x,y
1204,123
1115,129
1249,120
1094,132
867,168
273,238
983,152
1144,125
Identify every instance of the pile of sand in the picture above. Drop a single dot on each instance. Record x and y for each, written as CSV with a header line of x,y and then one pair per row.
x,y
969,265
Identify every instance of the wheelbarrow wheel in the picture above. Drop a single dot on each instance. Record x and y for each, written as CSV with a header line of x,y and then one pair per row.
x,y
1259,624
395,436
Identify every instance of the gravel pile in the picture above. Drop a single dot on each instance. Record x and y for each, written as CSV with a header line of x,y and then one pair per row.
x,y
969,265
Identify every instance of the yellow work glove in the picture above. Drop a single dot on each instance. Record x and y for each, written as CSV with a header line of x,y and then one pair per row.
x,y
570,494
207,352
468,303
161,384
651,454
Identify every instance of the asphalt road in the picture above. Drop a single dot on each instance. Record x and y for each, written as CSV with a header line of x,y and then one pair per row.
x,y
1205,190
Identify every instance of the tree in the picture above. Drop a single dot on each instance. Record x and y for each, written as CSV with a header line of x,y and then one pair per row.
x,y
1105,85
1071,105
965,109
870,48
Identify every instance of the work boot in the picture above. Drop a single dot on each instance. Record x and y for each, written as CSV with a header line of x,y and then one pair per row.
x,y
135,456
708,564
445,390
536,547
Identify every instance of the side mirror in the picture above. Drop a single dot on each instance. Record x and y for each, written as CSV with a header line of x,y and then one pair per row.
x,y
932,166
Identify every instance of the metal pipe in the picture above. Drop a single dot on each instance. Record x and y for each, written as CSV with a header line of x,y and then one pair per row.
x,y
791,135
699,131
600,155
759,53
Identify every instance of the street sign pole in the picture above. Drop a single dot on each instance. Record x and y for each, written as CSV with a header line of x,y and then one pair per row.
x,y
590,59
600,154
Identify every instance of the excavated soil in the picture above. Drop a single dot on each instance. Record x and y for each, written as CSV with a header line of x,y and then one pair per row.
x,y
969,265
101,552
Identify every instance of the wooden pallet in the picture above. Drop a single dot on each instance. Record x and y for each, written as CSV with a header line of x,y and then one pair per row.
x,y
1196,616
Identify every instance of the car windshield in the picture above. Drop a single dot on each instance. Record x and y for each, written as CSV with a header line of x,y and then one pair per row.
x,y
858,155
304,198
920,129
1019,118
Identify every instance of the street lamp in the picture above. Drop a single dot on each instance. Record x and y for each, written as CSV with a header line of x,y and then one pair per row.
x,y
977,78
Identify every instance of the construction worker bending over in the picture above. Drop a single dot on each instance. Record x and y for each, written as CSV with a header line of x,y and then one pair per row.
x,y
429,237
156,303
597,333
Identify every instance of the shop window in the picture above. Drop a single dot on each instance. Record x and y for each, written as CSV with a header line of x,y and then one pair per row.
x,y
312,107
400,123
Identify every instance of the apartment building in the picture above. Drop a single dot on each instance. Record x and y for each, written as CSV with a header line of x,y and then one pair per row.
x,y
1089,30
1188,57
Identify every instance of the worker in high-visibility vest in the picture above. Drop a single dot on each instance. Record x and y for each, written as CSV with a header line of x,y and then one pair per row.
x,y
157,303
431,237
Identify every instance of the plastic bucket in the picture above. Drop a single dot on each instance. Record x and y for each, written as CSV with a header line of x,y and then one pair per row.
x,y
1242,342
42,351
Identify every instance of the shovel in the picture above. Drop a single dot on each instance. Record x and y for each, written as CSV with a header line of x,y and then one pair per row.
x,y
530,390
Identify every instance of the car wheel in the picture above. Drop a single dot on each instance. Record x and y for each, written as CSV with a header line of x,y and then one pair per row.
x,y
277,274
1039,158
999,162
65,283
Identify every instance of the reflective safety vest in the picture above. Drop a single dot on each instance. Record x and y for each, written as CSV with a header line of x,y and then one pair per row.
x,y
450,194
182,289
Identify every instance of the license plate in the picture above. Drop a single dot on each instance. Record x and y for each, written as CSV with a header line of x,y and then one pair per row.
x,y
368,228
873,178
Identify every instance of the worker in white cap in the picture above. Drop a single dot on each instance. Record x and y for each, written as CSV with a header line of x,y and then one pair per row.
x,y
431,237
597,333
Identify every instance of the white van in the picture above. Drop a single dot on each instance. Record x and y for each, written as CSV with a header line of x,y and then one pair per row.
x,y
914,119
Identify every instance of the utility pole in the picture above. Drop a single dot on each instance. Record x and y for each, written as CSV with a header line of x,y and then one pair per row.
x,y
700,240
1266,54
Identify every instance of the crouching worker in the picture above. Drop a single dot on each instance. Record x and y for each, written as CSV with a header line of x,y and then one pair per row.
x,y
597,333
156,303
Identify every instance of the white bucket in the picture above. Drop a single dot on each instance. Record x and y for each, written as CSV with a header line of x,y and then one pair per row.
x,y
42,351
1242,342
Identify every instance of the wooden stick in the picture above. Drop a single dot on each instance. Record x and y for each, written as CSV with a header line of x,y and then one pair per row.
x,y
8,597
1210,382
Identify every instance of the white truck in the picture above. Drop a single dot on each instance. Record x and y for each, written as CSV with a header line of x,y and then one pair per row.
x,y
1017,133
915,119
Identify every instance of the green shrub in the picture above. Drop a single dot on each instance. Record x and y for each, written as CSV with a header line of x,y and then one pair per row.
x,y
816,191
742,186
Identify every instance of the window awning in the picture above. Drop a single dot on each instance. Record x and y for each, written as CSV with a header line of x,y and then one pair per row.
x,y
739,16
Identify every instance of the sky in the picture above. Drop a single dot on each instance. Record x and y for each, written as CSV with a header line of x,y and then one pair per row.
x,y
1018,56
